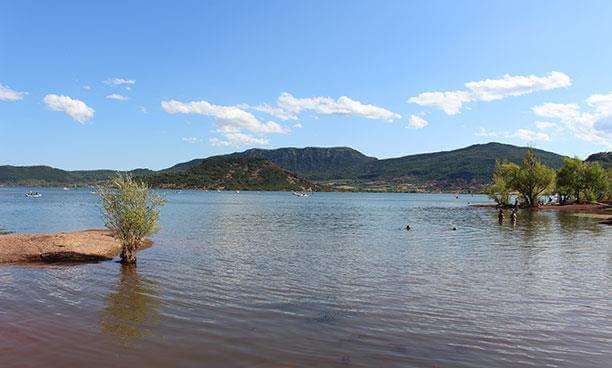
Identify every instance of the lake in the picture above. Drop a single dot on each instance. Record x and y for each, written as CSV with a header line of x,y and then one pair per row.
x,y
273,280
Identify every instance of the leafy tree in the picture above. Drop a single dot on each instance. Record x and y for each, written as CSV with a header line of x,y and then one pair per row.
x,y
131,212
499,190
594,181
568,183
531,179
582,181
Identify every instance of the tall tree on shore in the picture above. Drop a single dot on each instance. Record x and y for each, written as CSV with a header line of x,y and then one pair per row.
x,y
131,213
581,181
531,179
499,189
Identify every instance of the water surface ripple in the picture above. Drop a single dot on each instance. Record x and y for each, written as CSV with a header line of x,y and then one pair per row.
x,y
272,280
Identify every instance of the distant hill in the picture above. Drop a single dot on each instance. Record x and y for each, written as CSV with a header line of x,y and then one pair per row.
x,y
316,163
342,168
49,176
233,173
604,158
473,164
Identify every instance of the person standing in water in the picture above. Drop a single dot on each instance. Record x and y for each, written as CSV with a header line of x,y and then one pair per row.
x,y
500,216
513,217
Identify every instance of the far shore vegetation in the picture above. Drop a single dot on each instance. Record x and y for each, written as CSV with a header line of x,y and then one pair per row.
x,y
576,182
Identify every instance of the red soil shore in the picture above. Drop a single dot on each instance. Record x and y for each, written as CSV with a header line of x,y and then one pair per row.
x,y
78,246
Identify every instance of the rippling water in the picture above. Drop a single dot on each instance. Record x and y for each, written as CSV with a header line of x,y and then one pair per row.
x,y
272,280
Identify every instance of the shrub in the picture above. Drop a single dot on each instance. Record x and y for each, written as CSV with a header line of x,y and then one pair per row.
x,y
131,213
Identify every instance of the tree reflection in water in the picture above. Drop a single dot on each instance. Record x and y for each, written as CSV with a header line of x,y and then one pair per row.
x,y
132,309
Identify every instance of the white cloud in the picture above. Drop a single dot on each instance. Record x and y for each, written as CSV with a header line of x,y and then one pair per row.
x,y
451,102
235,138
87,88
586,126
417,122
298,125
229,116
601,103
275,111
230,122
119,82
76,109
509,85
142,109
328,106
191,140
116,96
8,94
529,135
543,125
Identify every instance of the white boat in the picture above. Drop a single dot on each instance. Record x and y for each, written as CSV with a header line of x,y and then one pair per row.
x,y
301,194
33,194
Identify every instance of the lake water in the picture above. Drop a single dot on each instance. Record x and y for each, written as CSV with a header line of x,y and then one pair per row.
x,y
272,280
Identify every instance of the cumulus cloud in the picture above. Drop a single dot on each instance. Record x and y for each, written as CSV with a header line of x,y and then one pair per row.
x,y
584,125
451,102
8,94
277,112
76,109
116,96
225,116
328,106
119,82
509,85
417,122
235,138
530,135
231,121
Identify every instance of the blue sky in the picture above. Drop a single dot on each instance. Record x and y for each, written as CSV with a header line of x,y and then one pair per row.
x,y
134,84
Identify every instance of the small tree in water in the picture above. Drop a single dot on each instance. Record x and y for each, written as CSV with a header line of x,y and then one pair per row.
x,y
131,212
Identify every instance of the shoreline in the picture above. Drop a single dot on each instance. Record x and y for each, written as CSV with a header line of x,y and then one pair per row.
x,y
93,245
602,211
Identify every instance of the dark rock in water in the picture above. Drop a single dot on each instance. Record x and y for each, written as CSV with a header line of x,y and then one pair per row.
x,y
454,228
407,227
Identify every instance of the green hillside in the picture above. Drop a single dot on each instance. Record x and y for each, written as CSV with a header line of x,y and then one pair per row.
x,y
604,158
49,176
233,173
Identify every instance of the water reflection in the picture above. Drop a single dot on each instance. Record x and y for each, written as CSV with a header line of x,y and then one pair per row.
x,y
132,309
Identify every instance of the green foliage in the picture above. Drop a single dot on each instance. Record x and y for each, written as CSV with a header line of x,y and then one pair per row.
x,y
131,212
499,189
531,179
582,181
232,172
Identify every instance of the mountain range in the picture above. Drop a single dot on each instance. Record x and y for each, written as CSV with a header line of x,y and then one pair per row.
x,y
336,168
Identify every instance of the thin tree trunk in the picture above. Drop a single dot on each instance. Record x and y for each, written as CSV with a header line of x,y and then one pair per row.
x,y
128,254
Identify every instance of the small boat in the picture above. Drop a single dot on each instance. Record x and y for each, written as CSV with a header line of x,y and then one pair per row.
x,y
237,192
301,194
66,188
32,194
